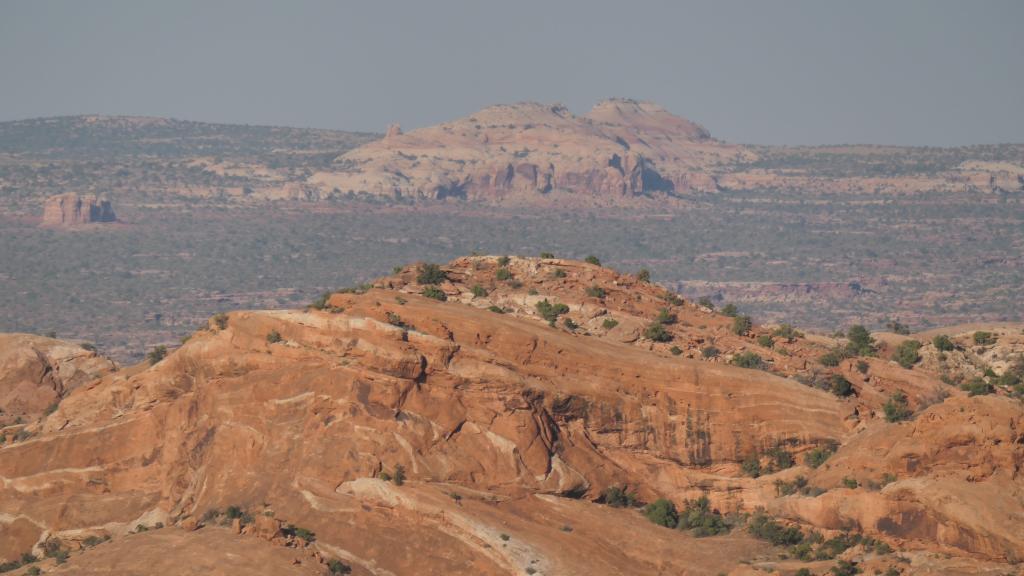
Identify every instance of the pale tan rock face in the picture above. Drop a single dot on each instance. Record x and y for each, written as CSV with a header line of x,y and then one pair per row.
x,y
71,209
622,150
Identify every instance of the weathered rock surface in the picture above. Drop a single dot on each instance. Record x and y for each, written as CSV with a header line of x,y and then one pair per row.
x,y
507,428
71,209
622,151
36,372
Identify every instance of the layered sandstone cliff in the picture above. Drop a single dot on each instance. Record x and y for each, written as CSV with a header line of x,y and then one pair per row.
x,y
36,372
71,209
621,151
509,430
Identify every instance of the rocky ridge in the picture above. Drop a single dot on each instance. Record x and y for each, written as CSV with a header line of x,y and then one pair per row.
x,y
509,431
621,151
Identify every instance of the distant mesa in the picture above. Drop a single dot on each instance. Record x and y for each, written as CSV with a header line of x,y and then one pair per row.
x,y
71,209
620,151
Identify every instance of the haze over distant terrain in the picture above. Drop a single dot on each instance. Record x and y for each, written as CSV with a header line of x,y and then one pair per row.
x,y
493,289
796,72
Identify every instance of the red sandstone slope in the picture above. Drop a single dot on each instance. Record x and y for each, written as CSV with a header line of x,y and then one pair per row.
x,y
508,429
36,372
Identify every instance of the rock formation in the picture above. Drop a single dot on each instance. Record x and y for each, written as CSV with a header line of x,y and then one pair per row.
x,y
622,153
71,209
622,150
509,426
36,372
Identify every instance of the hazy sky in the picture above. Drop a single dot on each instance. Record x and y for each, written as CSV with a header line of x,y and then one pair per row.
x,y
795,72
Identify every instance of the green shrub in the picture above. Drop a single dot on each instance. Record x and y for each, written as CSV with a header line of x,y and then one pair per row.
x,y
430,274
783,488
435,293
617,497
706,302
656,331
91,541
503,260
748,360
478,291
766,341
982,338
496,309
898,327
301,533
907,353
764,527
710,352
320,302
547,255
861,343
592,260
698,516
569,324
666,316
596,292
818,456
609,323
157,354
943,343
676,350
840,386
730,309
862,366
273,337
644,275
977,387
559,273
788,332
741,325
896,408
399,476
338,567
220,319
396,320
845,568
832,358
751,465
551,311
503,274
781,459
662,512
850,482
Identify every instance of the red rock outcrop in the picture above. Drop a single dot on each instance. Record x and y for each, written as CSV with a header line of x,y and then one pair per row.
x,y
71,209
507,428
36,372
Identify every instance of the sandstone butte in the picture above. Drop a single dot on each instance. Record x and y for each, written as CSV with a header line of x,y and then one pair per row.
x,y
268,427
621,153
72,209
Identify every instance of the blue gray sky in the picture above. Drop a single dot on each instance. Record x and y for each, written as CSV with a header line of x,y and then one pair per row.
x,y
931,72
